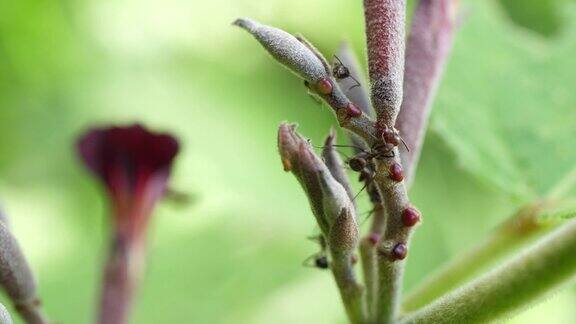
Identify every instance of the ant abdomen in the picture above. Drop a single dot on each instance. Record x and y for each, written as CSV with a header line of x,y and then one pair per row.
x,y
357,163
321,262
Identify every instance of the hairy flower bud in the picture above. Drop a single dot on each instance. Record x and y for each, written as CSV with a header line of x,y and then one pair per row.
x,y
330,202
344,233
288,50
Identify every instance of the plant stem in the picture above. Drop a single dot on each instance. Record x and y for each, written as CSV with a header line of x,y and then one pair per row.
x,y
515,232
506,289
122,274
350,291
390,266
369,259
427,49
385,24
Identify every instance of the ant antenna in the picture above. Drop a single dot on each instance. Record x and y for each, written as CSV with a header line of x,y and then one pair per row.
x,y
345,146
359,192
405,145
347,73
339,61
355,80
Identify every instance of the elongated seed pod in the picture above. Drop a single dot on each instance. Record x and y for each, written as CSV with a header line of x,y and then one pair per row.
x,y
287,49
4,315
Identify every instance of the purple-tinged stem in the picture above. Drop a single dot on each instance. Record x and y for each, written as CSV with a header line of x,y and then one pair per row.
x,y
385,24
122,273
360,97
427,50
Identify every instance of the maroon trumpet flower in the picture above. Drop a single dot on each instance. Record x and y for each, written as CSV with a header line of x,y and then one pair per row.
x,y
134,164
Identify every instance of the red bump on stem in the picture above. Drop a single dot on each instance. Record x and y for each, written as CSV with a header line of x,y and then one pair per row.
x,y
395,172
374,238
325,86
410,216
353,111
399,252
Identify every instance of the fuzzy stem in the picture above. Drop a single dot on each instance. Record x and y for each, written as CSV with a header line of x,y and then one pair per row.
x,y
350,291
515,232
385,24
427,49
369,261
545,266
390,267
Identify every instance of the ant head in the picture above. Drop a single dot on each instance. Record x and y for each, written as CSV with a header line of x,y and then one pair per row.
x,y
357,163
340,71
321,262
391,136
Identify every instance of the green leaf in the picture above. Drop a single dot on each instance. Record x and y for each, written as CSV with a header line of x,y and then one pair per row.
x,y
541,16
506,106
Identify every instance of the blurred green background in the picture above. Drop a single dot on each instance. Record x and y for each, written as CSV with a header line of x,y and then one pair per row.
x,y
502,133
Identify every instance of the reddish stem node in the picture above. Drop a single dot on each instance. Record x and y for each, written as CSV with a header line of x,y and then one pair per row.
x,y
353,111
410,216
325,86
395,172
399,252
374,238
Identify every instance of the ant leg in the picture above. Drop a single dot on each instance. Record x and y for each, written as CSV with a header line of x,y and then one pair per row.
x,y
369,213
306,262
359,192
355,80
338,59
405,145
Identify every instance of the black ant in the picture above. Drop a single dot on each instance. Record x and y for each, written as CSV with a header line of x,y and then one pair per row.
x,y
320,259
341,71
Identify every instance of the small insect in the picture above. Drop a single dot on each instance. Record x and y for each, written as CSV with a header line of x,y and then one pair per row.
x,y
392,136
363,163
341,71
319,259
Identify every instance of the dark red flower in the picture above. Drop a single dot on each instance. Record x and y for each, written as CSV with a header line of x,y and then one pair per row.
x,y
134,164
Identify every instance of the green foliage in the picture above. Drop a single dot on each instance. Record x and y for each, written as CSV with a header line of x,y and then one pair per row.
x,y
515,132
541,16
235,256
